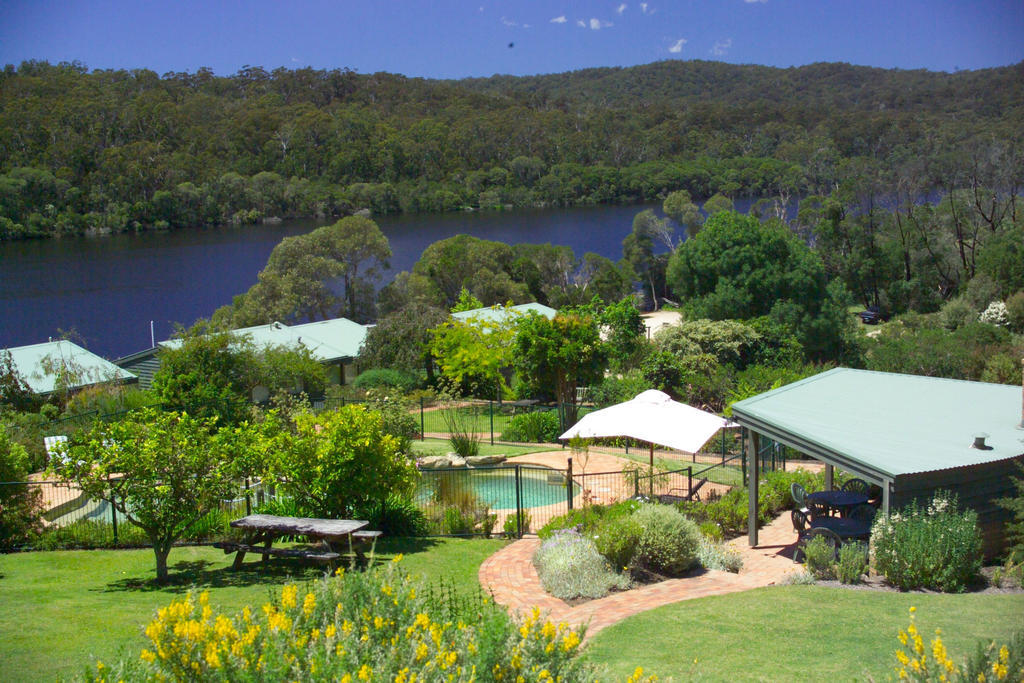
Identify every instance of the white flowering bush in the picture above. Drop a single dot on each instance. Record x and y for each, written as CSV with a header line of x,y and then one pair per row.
x,y
716,555
995,314
570,567
937,547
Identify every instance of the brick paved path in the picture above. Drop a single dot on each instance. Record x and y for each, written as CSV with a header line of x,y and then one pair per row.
x,y
510,576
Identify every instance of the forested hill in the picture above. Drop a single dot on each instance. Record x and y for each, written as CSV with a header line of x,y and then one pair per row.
x,y
120,150
818,90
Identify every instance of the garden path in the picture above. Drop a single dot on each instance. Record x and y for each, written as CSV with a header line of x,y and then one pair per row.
x,y
511,578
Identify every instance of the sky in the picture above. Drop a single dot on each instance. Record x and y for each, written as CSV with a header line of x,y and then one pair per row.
x,y
452,39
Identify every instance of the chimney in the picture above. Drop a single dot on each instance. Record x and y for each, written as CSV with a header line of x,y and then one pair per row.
x,y
979,442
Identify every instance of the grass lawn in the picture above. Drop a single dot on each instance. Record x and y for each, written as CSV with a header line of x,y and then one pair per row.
x,y
442,447
58,609
798,633
730,475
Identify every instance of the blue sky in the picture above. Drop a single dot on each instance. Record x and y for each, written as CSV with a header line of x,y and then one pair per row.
x,y
451,39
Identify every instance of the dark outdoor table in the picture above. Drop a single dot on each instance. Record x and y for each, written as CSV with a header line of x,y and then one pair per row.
x,y
844,527
266,529
838,500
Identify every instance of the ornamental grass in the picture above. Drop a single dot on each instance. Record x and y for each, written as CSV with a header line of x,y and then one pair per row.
x,y
377,625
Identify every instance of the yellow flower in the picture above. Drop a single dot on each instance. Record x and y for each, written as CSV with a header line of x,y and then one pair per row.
x,y
330,631
309,604
289,596
365,672
147,656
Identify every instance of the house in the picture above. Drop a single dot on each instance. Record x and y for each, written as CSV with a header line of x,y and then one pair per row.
x,y
64,366
909,435
335,343
502,314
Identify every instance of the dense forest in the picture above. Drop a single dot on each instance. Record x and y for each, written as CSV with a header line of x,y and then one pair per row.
x,y
113,150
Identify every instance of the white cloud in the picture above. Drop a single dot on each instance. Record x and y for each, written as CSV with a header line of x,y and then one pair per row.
x,y
721,47
559,20
644,7
677,46
509,22
295,59
581,23
621,8
597,24
751,2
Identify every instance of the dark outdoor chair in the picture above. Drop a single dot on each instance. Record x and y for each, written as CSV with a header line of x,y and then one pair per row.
x,y
863,513
799,494
817,509
830,537
857,486
800,521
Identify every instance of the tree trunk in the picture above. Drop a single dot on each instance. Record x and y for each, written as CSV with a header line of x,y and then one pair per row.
x,y
161,551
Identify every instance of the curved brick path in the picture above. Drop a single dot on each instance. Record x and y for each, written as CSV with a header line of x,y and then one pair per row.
x,y
509,575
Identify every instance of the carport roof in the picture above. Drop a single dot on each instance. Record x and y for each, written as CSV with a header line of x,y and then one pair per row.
x,y
889,424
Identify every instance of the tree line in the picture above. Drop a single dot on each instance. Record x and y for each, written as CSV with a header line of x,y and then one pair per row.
x,y
113,150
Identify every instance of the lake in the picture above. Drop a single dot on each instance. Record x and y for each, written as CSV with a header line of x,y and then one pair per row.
x,y
108,289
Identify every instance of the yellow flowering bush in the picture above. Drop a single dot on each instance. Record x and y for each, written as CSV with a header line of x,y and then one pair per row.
x,y
377,625
918,660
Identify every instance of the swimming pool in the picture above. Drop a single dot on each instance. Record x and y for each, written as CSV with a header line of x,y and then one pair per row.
x,y
497,486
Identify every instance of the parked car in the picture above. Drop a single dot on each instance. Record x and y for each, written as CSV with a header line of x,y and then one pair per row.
x,y
872,315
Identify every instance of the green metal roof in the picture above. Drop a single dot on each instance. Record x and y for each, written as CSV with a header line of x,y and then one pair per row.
x,y
327,340
887,423
499,314
91,369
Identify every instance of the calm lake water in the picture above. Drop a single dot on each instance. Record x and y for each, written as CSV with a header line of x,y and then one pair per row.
x,y
108,289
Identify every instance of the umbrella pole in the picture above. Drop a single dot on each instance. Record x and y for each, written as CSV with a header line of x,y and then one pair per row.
x,y
651,473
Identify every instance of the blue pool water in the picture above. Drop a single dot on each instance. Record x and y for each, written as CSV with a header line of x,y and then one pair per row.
x,y
497,487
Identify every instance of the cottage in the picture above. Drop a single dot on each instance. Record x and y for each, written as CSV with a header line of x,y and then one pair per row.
x,y
62,365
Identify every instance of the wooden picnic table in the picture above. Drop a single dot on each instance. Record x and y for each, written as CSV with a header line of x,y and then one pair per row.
x,y
263,530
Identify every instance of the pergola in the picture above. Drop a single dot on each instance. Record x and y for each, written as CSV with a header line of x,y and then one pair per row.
x,y
908,434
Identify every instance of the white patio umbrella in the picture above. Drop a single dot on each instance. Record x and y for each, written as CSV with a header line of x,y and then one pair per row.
x,y
652,416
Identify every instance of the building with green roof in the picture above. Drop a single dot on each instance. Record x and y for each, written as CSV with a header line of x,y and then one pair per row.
x,y
907,434
64,366
502,314
334,343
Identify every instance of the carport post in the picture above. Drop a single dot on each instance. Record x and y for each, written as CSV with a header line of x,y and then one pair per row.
x,y
829,477
755,474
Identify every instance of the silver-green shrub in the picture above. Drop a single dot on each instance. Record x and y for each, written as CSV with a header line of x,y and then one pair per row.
x,y
820,558
715,555
668,540
617,539
570,567
852,562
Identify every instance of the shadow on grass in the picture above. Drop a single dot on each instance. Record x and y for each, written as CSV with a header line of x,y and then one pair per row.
x,y
200,574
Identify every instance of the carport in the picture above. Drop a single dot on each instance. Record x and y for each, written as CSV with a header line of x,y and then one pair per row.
x,y
908,434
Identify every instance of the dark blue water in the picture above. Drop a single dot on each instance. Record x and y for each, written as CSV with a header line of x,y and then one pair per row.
x,y
108,289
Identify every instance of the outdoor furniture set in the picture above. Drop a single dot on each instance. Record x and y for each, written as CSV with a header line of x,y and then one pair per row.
x,y
813,514
335,536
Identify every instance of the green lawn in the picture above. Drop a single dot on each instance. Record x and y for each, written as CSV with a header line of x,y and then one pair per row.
x,y
442,447
58,609
797,633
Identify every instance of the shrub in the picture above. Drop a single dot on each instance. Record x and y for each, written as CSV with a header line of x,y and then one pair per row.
x,y
385,378
589,517
668,540
956,313
461,435
995,314
917,660
540,426
852,562
819,558
398,516
938,547
570,567
1015,312
714,555
511,525
20,504
340,629
398,420
617,539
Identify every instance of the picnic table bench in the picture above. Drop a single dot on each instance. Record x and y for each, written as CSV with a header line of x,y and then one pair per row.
x,y
334,535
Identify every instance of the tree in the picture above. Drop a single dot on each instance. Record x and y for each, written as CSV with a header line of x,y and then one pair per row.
x,y
327,273
14,390
481,266
638,252
214,374
739,268
473,354
625,333
401,340
20,505
679,207
717,203
342,462
162,471
564,352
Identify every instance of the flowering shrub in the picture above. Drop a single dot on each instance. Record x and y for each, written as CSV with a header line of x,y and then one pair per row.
x,y
995,314
937,547
715,555
372,626
918,662
668,540
820,558
570,567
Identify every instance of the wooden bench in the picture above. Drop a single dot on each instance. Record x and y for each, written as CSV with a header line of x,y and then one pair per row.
x,y
306,554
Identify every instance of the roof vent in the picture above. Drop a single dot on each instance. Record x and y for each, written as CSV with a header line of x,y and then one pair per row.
x,y
979,442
